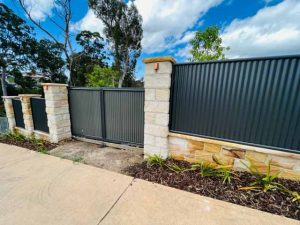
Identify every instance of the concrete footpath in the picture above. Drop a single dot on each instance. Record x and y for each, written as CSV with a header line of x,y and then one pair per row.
x,y
38,189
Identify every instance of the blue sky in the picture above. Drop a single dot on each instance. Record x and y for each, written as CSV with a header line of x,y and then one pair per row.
x,y
249,27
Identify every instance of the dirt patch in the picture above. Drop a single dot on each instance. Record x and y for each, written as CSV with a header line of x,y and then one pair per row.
x,y
275,202
29,144
98,155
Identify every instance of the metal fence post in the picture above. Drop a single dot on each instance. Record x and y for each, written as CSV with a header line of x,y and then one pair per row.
x,y
102,108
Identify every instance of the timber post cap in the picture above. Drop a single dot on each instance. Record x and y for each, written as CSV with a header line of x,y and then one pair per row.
x,y
54,84
160,59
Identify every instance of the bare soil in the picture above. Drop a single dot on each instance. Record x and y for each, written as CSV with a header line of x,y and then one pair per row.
x,y
274,202
98,155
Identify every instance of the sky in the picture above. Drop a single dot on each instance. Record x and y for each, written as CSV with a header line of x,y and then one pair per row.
x,y
250,28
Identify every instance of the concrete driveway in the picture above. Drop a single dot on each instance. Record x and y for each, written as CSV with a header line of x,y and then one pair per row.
x,y
37,189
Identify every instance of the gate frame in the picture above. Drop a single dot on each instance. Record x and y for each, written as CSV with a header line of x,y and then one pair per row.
x,y
103,121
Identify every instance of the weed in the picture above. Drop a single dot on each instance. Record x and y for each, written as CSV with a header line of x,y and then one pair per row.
x,y
77,159
155,160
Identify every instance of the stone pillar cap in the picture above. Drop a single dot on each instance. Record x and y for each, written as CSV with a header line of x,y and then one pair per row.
x,y
10,97
30,95
160,59
54,84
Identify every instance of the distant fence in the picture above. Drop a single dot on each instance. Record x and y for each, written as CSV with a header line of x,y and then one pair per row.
x,y
252,101
108,114
3,125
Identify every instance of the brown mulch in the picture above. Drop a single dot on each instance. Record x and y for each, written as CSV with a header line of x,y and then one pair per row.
x,y
273,201
29,145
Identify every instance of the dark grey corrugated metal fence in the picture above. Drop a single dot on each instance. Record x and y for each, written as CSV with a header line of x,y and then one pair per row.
x,y
254,101
39,115
17,106
109,114
3,125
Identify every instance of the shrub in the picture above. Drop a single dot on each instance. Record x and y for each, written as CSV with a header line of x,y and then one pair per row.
x,y
155,160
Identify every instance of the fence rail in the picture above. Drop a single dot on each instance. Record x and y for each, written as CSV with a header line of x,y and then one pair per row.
x,y
17,106
252,101
109,114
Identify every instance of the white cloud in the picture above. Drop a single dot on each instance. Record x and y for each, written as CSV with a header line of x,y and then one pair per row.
x,y
274,30
89,22
165,22
39,9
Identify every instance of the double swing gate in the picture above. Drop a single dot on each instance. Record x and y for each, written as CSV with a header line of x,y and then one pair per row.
x,y
108,114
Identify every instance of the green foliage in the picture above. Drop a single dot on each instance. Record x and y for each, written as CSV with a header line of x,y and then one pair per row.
x,y
176,168
49,61
155,160
91,56
15,136
206,169
264,182
102,77
123,29
15,44
77,159
207,45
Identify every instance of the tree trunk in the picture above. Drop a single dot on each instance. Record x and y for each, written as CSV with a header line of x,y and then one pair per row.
x,y
3,82
122,78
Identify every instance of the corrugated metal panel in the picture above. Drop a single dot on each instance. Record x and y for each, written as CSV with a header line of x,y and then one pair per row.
x,y
253,101
39,115
85,112
110,114
124,116
17,105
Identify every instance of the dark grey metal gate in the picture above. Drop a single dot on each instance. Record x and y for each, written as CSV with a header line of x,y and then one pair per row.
x,y
254,101
108,114
39,115
17,106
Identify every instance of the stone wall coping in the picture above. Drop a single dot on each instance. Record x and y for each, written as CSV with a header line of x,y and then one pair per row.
x,y
238,146
10,97
41,132
160,59
54,84
30,95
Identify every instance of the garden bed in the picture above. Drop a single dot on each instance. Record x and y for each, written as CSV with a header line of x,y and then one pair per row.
x,y
272,201
29,143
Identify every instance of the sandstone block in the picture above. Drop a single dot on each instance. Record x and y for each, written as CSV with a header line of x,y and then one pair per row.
x,y
256,156
162,95
212,148
149,94
157,107
156,130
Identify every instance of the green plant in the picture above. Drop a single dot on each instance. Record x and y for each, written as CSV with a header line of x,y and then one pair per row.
x,y
264,182
155,160
77,159
15,136
225,171
206,169
176,168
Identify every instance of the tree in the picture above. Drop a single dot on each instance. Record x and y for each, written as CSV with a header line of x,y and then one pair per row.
x,y
15,44
63,12
207,45
102,77
92,55
123,29
48,60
